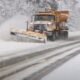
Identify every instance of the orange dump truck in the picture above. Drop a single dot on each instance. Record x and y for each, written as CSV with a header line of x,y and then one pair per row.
x,y
47,25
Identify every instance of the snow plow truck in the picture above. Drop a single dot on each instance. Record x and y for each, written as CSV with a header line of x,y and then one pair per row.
x,y
47,25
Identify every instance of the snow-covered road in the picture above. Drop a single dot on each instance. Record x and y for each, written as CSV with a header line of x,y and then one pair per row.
x,y
32,68
30,61
68,71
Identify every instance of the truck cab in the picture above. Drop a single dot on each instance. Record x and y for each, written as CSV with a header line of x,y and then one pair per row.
x,y
52,23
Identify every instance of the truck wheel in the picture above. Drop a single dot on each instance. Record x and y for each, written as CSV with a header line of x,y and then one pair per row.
x,y
65,34
61,35
57,34
12,33
53,37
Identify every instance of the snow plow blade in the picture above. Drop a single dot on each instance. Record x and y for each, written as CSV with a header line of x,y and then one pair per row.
x,y
35,36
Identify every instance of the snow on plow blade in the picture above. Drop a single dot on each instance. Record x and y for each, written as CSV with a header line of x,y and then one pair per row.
x,y
35,36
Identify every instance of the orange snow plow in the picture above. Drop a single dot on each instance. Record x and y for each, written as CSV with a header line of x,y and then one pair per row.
x,y
30,35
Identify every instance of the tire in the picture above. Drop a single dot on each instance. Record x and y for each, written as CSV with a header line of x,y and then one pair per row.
x,y
57,35
66,34
53,37
12,33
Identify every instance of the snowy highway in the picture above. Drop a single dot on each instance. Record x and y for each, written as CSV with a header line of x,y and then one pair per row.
x,y
36,65
20,60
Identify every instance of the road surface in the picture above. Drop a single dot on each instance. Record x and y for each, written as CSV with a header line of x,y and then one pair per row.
x,y
36,66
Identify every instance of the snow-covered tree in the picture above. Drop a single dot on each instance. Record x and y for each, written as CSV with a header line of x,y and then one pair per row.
x,y
9,8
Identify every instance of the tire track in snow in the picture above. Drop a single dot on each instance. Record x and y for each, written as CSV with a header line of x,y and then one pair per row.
x,y
15,60
48,57
38,75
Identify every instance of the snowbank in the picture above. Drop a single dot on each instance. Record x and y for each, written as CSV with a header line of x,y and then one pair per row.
x,y
74,33
7,47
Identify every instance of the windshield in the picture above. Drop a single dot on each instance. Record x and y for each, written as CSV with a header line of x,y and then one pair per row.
x,y
44,17
40,26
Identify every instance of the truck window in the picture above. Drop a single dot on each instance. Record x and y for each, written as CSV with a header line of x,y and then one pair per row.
x,y
44,17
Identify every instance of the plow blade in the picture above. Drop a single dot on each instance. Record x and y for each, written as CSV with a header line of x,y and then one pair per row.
x,y
30,35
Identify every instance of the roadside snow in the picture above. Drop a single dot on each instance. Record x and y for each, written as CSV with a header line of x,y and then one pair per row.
x,y
7,47
74,33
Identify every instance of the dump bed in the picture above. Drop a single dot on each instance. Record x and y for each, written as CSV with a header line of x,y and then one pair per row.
x,y
61,15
